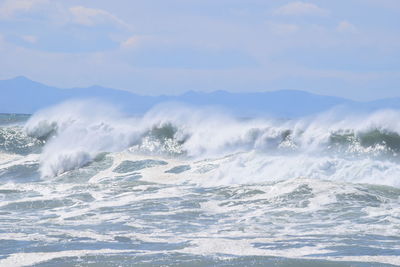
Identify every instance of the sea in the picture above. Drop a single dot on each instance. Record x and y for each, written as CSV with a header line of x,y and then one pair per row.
x,y
83,184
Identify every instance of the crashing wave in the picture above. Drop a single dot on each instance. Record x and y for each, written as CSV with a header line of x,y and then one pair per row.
x,y
76,132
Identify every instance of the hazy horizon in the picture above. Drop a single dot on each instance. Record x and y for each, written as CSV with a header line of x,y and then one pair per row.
x,y
196,91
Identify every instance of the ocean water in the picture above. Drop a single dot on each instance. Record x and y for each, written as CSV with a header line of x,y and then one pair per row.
x,y
84,185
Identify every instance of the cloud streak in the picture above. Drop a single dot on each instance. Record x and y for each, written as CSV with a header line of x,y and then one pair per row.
x,y
91,16
301,9
11,7
345,26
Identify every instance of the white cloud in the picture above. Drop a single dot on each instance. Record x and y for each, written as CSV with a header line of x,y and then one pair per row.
x,y
138,40
91,16
301,8
56,12
282,28
10,7
345,26
131,42
29,38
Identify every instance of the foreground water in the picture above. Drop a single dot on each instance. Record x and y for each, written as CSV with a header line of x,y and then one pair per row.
x,y
80,187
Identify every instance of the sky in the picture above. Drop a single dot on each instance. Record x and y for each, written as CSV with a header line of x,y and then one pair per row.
x,y
347,48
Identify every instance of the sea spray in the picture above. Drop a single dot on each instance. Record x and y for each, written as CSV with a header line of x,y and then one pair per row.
x,y
75,132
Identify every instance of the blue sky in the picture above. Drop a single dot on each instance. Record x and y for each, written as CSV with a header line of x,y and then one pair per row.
x,y
348,48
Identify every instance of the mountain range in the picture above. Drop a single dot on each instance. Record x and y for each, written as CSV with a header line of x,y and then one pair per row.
x,y
22,95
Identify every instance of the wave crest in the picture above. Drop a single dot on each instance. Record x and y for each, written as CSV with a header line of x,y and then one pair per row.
x,y
78,131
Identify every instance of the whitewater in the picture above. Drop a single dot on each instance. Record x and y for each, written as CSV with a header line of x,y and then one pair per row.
x,y
83,184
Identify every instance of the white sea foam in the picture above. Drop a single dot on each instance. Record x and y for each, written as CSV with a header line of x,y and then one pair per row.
x,y
29,259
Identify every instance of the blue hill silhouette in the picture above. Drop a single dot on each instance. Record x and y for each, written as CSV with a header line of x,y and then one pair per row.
x,y
22,95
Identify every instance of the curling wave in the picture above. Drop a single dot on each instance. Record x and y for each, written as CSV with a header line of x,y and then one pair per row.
x,y
328,145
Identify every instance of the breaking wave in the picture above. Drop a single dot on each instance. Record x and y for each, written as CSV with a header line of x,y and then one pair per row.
x,y
73,134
